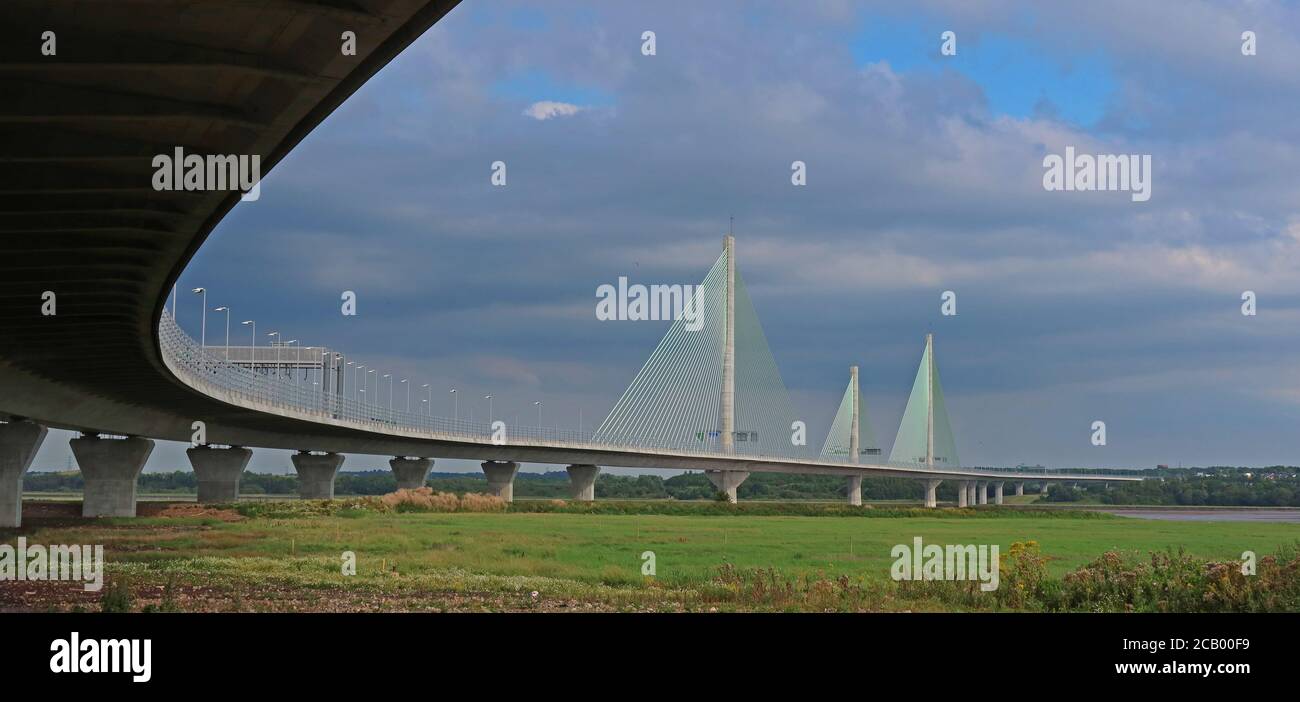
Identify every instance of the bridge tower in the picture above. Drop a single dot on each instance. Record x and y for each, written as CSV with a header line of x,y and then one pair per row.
x,y
727,408
925,435
853,427
929,405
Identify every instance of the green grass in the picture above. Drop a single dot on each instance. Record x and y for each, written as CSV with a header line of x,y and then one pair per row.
x,y
291,552
596,548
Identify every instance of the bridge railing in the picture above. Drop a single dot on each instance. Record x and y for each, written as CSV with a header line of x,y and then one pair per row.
x,y
211,373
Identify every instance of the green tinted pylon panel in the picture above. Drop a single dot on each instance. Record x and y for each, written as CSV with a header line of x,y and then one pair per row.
x,y
673,401
945,446
764,413
925,408
867,444
836,447
910,444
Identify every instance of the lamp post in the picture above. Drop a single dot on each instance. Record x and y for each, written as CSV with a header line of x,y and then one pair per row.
x,y
374,401
390,389
489,399
357,389
252,359
203,329
408,395
296,359
539,414
429,400
276,334
324,361
227,311
455,405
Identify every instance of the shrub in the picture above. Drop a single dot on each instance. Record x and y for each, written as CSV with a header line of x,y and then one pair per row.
x,y
1022,573
474,502
116,597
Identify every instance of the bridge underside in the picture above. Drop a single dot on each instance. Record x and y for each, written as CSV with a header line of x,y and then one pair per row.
x,y
78,214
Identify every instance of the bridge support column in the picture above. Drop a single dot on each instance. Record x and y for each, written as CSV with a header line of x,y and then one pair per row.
x,y
501,478
1020,489
963,493
727,481
931,499
1042,488
316,473
19,442
218,471
109,468
971,500
855,490
997,493
582,478
982,492
410,472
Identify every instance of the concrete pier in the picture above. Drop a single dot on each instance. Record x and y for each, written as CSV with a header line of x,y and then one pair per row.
x,y
501,478
582,478
218,471
1020,488
19,442
727,481
997,493
931,499
109,468
411,472
982,492
855,490
1042,489
963,493
316,473
971,500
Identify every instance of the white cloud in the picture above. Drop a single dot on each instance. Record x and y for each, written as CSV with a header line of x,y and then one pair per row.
x,y
547,109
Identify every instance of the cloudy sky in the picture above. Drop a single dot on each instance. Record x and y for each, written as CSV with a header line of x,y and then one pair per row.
x,y
924,174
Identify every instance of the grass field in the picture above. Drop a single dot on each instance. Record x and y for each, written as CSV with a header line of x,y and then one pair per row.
x,y
218,559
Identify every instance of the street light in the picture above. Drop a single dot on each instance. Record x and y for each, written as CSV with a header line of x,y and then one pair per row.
x,y
390,389
227,311
489,399
324,361
345,378
429,390
276,334
338,376
357,388
252,360
455,405
408,395
539,414
203,330
374,401
295,365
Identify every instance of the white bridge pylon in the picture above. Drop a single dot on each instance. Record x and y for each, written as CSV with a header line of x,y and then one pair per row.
x,y
713,385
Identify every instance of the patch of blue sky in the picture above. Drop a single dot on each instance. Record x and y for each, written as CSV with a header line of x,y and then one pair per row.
x,y
1019,77
481,15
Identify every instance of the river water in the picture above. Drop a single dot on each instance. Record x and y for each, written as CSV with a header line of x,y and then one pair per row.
x,y
1209,515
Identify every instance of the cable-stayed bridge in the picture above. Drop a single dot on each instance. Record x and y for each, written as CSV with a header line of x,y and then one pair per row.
x,y
709,397
80,222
